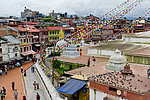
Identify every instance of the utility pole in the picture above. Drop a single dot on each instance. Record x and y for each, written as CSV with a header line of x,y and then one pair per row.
x,y
53,64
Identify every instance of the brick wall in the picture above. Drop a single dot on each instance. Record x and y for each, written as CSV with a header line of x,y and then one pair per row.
x,y
130,95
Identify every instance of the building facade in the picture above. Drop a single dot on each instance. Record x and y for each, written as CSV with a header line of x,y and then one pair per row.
x,y
3,50
13,47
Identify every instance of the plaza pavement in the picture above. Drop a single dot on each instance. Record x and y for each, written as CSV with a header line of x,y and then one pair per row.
x,y
16,76
31,93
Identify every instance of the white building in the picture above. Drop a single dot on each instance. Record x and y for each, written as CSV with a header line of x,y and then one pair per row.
x,y
109,48
3,50
13,47
139,38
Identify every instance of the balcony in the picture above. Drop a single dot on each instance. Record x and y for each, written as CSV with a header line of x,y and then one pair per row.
x,y
22,35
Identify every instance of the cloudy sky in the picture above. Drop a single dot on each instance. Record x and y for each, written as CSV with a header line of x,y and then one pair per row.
x,y
79,7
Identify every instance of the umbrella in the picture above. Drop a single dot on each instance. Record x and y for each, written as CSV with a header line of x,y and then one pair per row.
x,y
18,64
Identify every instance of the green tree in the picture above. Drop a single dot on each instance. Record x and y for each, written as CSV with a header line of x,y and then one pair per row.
x,y
70,67
57,63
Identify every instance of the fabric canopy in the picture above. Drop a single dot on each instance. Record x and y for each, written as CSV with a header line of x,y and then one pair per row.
x,y
28,53
72,86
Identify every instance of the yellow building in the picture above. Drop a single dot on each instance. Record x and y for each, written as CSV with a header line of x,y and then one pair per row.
x,y
55,32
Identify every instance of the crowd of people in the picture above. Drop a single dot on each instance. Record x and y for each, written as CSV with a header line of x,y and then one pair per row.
x,y
15,92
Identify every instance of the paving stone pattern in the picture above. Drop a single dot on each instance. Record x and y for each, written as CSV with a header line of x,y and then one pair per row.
x,y
31,93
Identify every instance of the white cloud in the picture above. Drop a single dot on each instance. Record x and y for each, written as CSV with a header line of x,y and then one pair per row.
x,y
79,7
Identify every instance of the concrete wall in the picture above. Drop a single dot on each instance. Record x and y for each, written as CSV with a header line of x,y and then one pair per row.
x,y
100,52
92,51
4,53
138,59
135,39
107,52
49,88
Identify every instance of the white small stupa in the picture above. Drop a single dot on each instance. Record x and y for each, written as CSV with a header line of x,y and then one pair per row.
x,y
71,52
83,43
116,62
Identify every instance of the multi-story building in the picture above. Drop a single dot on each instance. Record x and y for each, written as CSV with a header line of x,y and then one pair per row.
x,y
23,34
3,50
57,15
29,15
139,25
36,39
54,32
13,47
3,30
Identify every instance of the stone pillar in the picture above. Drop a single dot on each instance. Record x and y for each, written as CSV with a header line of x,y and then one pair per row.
x,y
132,58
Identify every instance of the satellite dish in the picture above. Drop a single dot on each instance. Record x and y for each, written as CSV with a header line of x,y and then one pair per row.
x,y
118,92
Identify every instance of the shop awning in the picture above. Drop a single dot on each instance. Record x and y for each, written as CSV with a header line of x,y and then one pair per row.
x,y
16,58
72,86
28,53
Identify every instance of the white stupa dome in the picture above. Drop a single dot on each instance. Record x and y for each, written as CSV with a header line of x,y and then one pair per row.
x,y
117,57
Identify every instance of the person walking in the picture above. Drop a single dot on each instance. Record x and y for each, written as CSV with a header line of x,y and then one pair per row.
x,y
15,94
37,96
6,71
80,52
25,72
24,97
13,85
89,62
94,61
37,84
33,69
2,95
4,91
21,69
34,84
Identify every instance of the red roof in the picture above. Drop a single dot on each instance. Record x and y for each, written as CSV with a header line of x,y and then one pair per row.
x,y
67,28
55,28
31,23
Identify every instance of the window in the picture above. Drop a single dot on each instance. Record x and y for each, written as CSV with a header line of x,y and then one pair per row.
x,y
20,33
112,89
27,40
27,48
24,40
0,45
0,50
21,40
1,58
15,49
8,49
8,56
24,49
111,31
30,47
15,54
21,49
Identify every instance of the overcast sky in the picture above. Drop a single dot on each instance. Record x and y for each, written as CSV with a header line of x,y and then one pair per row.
x,y
79,7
